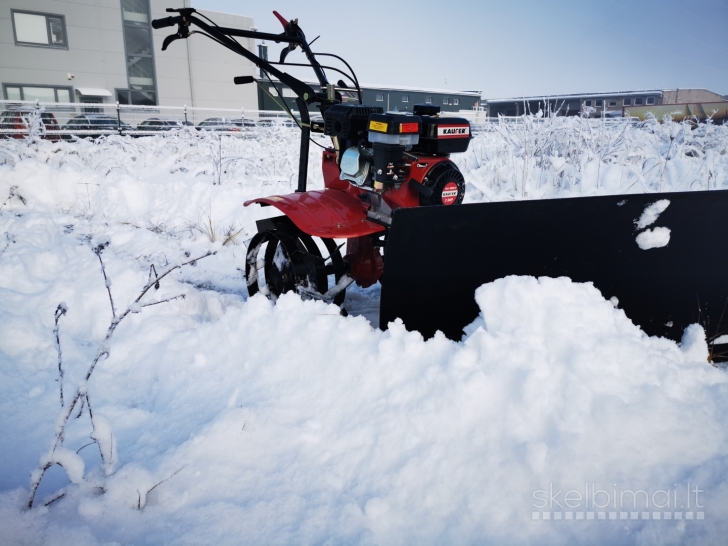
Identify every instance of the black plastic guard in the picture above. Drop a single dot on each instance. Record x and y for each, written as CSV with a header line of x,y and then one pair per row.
x,y
437,256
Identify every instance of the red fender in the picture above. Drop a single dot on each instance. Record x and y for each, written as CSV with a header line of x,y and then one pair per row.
x,y
328,213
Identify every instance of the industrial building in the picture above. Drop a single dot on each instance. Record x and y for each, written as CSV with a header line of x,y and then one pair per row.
x,y
390,98
103,51
596,104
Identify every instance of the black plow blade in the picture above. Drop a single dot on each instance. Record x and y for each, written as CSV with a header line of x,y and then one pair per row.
x,y
436,257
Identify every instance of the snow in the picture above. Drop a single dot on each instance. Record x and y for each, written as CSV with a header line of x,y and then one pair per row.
x,y
653,238
652,212
69,460
103,435
231,420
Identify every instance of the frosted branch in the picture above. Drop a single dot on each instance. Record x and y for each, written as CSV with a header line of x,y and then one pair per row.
x,y
61,310
178,297
107,454
98,249
143,500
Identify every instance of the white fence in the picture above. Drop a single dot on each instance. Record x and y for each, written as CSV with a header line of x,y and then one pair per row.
x,y
65,120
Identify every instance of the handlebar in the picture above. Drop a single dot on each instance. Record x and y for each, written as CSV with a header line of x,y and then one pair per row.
x,y
292,35
166,22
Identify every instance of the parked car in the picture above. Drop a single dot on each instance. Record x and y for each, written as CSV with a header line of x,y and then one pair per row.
x,y
476,128
162,124
16,122
276,122
283,122
222,124
85,123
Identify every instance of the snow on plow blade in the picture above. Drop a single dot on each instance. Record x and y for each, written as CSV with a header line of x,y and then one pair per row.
x,y
437,256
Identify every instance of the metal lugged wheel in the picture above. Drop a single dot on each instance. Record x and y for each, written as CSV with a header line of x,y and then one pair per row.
x,y
291,261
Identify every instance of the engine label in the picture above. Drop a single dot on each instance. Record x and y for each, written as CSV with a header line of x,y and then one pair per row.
x,y
453,131
449,193
409,127
378,126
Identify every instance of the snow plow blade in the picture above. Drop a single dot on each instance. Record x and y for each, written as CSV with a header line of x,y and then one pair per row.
x,y
436,257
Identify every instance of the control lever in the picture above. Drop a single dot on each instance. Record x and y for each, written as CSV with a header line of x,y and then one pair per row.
x,y
183,30
281,19
286,28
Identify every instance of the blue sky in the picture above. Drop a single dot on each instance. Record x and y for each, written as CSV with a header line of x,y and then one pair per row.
x,y
515,47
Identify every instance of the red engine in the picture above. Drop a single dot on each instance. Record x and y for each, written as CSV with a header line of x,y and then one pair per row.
x,y
390,161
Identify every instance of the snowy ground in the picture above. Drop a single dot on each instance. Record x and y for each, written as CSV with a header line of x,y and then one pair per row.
x,y
230,421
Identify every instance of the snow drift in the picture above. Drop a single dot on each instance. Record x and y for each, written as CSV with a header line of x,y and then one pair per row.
x,y
236,421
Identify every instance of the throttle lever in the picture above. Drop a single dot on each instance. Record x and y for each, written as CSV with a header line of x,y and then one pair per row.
x,y
283,21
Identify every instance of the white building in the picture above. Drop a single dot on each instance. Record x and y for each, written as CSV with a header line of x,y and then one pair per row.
x,y
106,51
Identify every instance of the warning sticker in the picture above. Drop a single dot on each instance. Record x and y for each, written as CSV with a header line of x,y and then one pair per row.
x,y
449,193
409,127
453,131
378,126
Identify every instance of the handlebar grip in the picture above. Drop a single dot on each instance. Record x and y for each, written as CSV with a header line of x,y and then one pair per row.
x,y
166,22
241,80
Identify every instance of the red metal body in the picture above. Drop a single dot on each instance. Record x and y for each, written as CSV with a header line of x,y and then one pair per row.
x,y
327,213
365,261
338,213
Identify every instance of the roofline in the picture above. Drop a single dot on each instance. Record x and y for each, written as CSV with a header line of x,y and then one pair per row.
x,y
579,95
369,86
691,89
477,94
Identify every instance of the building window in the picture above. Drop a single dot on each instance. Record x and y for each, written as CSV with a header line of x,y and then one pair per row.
x,y
639,101
380,97
456,102
140,66
135,97
39,29
428,100
627,102
41,93
405,98
650,100
135,11
138,41
599,103
140,71
588,102
612,103
446,100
